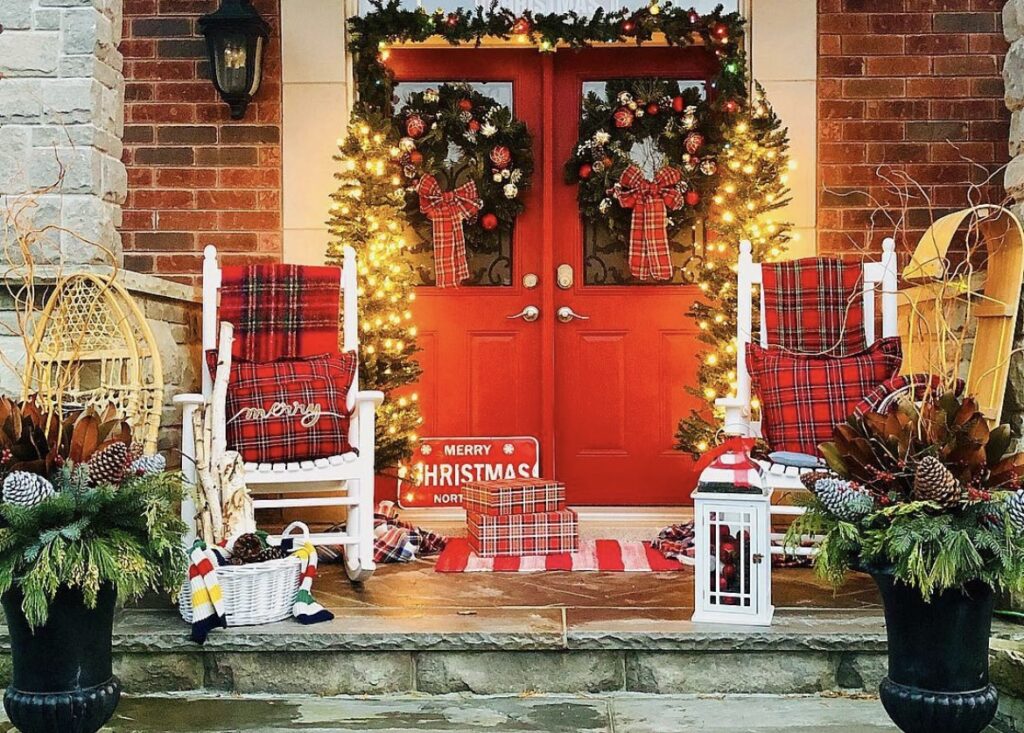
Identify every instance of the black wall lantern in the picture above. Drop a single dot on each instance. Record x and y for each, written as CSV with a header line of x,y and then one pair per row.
x,y
236,38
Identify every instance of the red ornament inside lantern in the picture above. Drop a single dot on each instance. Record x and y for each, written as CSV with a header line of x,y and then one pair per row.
x,y
585,170
489,221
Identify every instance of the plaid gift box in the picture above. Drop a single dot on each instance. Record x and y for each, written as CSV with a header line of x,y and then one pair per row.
x,y
513,496
547,533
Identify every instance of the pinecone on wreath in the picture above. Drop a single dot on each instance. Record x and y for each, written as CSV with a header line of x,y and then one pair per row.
x,y
25,489
108,465
1015,508
845,499
934,482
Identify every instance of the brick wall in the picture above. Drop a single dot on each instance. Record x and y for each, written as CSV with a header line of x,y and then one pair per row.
x,y
196,176
896,79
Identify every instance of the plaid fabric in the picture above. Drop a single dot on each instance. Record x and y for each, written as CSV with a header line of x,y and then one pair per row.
x,y
649,257
270,408
446,211
513,496
732,472
803,397
677,542
918,384
814,306
523,534
281,311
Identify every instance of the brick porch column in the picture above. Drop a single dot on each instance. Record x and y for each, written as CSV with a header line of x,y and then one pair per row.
x,y
62,105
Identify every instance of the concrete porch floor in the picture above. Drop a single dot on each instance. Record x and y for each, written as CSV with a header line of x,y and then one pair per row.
x,y
537,714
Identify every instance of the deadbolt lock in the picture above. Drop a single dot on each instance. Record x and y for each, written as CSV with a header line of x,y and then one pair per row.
x,y
564,276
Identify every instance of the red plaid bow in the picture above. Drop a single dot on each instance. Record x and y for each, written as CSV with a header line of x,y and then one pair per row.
x,y
446,211
649,256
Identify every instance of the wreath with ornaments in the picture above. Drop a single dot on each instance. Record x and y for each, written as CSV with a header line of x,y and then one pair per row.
x,y
656,127
468,163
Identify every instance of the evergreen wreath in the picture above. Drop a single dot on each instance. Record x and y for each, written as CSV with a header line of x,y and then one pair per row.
x,y
677,127
492,148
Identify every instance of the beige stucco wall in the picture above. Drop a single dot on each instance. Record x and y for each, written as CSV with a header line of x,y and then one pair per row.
x,y
317,90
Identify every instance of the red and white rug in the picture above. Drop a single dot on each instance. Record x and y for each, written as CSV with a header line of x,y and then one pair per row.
x,y
608,556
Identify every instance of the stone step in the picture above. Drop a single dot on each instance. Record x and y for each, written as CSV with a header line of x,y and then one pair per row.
x,y
496,651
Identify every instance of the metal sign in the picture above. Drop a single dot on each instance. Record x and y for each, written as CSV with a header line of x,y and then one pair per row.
x,y
444,464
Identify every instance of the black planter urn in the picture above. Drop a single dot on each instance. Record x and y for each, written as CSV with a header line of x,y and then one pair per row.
x,y
62,681
938,658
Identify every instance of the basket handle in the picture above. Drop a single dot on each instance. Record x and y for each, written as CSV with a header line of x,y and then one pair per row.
x,y
299,526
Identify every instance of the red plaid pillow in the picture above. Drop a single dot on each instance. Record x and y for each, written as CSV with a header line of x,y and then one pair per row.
x,y
803,397
293,410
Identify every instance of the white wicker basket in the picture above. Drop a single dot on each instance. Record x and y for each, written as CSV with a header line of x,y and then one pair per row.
x,y
261,593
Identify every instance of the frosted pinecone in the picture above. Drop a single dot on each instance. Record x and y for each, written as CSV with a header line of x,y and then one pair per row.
x,y
1015,508
25,489
109,465
149,465
845,499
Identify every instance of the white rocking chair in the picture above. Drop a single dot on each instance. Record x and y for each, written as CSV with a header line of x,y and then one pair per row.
x,y
345,480
880,278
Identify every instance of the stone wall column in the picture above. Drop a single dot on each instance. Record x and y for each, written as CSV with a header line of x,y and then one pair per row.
x,y
1013,84
62,109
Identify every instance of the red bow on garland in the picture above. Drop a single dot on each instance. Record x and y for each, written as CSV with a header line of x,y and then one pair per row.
x,y
446,211
649,256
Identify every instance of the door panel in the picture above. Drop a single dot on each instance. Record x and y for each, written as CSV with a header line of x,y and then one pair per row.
x,y
482,370
635,391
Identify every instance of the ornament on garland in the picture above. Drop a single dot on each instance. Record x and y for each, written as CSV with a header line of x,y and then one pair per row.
x,y
491,171
649,255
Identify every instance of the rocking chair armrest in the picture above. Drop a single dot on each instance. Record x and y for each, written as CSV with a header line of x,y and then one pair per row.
x,y
190,398
370,395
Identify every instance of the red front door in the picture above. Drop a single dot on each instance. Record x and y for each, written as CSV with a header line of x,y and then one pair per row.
x,y
604,392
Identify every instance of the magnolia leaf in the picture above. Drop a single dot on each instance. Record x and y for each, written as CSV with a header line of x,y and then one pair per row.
x,y
998,443
84,438
833,458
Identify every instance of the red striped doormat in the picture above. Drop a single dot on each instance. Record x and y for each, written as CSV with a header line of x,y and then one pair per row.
x,y
609,556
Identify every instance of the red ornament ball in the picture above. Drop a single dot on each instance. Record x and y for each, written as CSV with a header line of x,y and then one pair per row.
x,y
692,198
416,157
623,118
720,32
731,106
728,549
501,156
415,126
693,142
453,19
678,103
474,125
652,108
585,170
489,221
729,571
628,27
521,27
465,105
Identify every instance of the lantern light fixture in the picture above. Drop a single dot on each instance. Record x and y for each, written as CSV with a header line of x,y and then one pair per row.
x,y
236,40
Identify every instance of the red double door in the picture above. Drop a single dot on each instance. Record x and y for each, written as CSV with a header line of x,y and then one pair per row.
x,y
559,344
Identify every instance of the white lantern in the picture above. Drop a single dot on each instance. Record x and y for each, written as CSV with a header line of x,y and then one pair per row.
x,y
733,582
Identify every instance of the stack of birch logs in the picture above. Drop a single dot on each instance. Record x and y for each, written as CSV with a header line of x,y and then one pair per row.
x,y
224,507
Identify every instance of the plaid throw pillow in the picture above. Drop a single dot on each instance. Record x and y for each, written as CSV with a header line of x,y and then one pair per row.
x,y
804,397
285,411
814,306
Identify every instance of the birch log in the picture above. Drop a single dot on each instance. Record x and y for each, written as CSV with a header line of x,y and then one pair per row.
x,y
202,458
239,514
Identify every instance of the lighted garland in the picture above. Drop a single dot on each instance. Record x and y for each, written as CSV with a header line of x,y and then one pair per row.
x,y
678,126
371,34
494,152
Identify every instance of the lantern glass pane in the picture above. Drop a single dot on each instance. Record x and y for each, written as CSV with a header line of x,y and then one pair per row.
x,y
231,53
731,576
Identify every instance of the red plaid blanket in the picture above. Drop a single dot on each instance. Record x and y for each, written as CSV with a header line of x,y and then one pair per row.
x,y
814,306
281,311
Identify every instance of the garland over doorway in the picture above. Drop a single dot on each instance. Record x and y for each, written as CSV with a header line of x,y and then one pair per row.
x,y
751,166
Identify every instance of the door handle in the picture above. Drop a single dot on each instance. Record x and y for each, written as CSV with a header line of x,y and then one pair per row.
x,y
529,314
566,314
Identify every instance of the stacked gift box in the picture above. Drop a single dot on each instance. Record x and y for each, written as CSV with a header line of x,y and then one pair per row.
x,y
514,517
